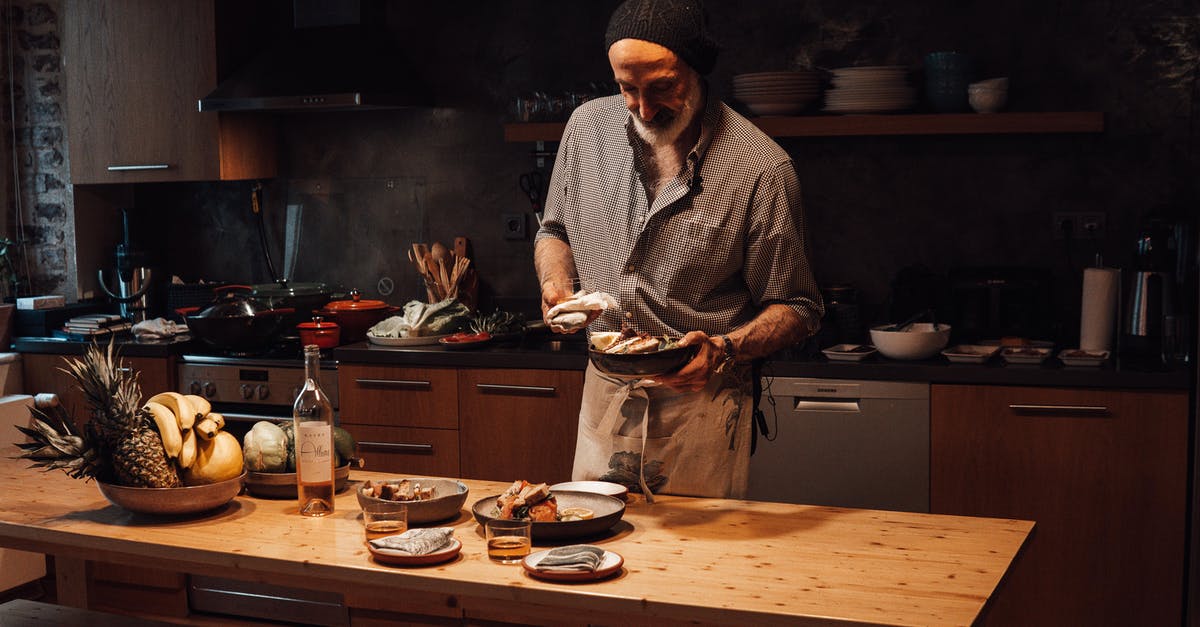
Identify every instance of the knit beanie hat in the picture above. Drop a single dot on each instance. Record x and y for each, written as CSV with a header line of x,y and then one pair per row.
x,y
677,25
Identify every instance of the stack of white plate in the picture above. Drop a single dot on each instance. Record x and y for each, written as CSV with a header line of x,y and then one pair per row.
x,y
870,89
777,93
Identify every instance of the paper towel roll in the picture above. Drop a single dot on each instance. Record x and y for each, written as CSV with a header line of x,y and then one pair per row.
x,y
1098,314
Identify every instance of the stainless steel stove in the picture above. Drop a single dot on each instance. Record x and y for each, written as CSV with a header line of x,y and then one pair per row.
x,y
251,388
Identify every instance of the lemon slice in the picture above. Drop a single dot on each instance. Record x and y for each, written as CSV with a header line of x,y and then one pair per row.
x,y
575,513
604,339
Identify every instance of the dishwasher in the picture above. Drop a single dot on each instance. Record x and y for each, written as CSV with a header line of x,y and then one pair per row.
x,y
844,443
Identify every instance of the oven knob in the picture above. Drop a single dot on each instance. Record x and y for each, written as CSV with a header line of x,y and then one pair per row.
x,y
210,390
247,391
194,387
263,392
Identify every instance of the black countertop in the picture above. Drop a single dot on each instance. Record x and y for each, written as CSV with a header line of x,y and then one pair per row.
x,y
547,353
542,353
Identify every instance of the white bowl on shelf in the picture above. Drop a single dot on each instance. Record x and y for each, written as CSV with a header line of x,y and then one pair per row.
x,y
918,340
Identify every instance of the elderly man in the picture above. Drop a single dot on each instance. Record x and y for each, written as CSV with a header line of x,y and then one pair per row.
x,y
690,217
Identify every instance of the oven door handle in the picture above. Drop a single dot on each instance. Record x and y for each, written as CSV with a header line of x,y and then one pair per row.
x,y
249,417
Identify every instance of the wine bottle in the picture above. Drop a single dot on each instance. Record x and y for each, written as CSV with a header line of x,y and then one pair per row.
x,y
313,417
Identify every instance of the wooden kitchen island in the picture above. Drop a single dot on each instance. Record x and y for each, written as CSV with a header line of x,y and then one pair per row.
x,y
687,560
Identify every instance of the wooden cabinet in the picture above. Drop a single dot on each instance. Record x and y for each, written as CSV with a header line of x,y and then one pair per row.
x,y
42,373
134,71
494,424
518,424
1104,475
404,419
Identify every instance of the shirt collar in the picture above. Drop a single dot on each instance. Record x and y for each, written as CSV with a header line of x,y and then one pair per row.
x,y
711,115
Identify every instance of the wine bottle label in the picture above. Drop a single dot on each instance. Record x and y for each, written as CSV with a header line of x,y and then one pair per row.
x,y
314,452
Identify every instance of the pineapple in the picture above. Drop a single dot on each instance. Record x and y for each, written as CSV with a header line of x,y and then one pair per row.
x,y
118,444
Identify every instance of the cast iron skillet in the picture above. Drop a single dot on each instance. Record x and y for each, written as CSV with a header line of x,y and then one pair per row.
x,y
238,323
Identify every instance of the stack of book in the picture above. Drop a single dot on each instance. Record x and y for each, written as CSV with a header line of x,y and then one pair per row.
x,y
95,326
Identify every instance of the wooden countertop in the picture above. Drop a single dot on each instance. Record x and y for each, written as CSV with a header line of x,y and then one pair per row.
x,y
686,559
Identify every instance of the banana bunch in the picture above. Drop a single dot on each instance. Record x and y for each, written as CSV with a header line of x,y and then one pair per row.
x,y
192,436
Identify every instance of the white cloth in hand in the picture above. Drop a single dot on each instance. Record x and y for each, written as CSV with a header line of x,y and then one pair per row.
x,y
572,314
576,557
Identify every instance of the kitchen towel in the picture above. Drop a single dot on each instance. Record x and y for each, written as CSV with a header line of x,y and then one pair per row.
x,y
1098,313
576,557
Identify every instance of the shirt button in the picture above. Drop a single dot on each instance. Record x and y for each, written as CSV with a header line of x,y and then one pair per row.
x,y
629,268
629,314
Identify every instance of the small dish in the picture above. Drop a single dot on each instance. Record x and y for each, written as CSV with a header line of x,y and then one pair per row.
x,y
615,490
463,341
849,352
1080,357
970,353
609,564
1031,355
398,558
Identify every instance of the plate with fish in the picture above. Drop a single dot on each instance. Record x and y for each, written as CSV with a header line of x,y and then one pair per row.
x,y
556,514
630,355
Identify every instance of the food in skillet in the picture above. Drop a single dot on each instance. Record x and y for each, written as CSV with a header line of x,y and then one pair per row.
x,y
403,491
526,501
629,342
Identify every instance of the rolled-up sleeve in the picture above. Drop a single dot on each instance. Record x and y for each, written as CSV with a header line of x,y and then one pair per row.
x,y
777,270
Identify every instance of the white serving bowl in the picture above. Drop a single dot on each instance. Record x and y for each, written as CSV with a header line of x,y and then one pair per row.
x,y
918,341
991,83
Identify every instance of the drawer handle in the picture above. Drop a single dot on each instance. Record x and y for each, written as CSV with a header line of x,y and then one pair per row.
x,y
396,383
397,446
497,387
131,168
1086,410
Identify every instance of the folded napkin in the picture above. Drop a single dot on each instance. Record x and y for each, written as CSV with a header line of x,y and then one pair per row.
x,y
417,541
158,328
572,313
572,558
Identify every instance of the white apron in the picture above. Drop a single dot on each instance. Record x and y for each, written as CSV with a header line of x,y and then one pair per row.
x,y
654,439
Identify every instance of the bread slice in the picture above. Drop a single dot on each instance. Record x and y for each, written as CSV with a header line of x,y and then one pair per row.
x,y
535,493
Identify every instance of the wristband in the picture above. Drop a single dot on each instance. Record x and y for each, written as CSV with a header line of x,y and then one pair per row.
x,y
727,350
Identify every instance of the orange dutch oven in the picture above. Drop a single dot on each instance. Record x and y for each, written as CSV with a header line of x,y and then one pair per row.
x,y
357,315
323,333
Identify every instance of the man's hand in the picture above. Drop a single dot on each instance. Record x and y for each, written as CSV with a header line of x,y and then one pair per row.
x,y
694,375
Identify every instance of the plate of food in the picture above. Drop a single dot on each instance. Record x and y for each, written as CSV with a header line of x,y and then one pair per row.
x,y
630,355
429,498
1080,357
556,515
970,353
1028,355
420,340
460,341
849,352
610,564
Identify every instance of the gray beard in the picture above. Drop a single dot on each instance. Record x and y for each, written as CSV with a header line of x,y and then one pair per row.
x,y
663,136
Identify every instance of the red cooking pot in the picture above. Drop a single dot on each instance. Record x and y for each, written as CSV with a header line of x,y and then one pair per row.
x,y
320,332
357,315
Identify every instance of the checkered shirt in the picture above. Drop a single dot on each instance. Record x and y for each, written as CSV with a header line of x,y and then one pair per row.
x,y
722,240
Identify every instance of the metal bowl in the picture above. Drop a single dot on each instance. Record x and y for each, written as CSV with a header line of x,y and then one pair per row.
x,y
173,501
282,485
449,496
606,509
642,365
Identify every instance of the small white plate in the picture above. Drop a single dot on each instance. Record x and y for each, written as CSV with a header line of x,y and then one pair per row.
x,y
1079,357
606,488
849,352
970,353
424,340
610,564
1025,354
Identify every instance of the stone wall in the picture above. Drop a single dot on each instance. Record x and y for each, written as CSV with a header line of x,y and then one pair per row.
x,y
39,212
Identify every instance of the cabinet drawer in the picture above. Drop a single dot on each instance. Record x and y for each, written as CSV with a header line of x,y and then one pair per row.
x,y
406,450
401,397
518,424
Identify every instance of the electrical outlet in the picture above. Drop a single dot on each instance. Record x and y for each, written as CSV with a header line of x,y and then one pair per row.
x,y
514,225
1078,224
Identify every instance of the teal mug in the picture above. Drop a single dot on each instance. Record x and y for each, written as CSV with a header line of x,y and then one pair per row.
x,y
947,75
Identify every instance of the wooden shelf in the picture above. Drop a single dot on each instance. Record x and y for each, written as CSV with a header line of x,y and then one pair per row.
x,y
894,124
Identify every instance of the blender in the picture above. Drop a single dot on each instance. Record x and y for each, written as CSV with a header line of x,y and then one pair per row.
x,y
133,278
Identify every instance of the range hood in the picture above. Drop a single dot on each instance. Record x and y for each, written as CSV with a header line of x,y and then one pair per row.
x,y
317,66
